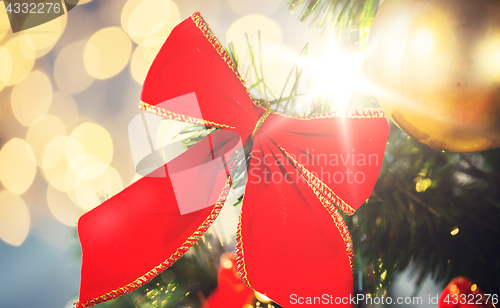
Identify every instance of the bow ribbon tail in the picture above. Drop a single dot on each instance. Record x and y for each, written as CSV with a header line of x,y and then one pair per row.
x,y
135,235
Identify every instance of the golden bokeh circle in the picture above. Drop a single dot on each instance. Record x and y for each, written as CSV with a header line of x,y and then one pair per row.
x,y
41,134
6,65
107,52
95,147
271,34
92,192
4,23
54,162
62,207
17,165
31,98
14,218
142,19
22,57
143,57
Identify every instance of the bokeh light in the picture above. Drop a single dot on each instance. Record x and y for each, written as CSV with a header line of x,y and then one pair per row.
x,y
4,22
271,34
22,57
14,218
96,149
54,162
17,165
62,207
69,71
107,53
145,18
6,65
31,98
64,107
92,192
143,57
42,132
278,63
242,8
43,37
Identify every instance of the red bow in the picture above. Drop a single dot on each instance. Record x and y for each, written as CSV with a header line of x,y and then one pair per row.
x,y
292,243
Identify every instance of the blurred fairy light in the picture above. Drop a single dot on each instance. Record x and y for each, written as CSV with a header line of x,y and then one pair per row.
x,y
41,39
107,52
62,207
22,57
6,65
31,98
42,132
150,36
422,184
14,218
55,164
89,191
278,63
4,21
17,165
92,146
454,231
226,261
143,19
148,17
69,69
143,57
271,35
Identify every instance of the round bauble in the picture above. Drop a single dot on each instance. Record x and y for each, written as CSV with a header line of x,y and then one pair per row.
x,y
435,65
462,293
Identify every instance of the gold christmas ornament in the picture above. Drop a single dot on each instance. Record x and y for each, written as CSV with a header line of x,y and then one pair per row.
x,y
436,68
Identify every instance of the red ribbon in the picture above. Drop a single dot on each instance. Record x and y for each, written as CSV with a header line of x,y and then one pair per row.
x,y
292,243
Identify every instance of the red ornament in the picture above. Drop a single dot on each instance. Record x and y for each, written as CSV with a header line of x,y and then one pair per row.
x,y
462,293
291,240
230,291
